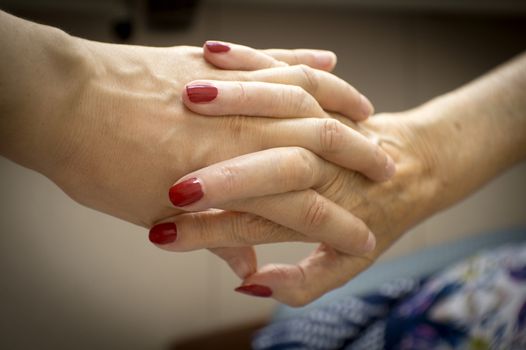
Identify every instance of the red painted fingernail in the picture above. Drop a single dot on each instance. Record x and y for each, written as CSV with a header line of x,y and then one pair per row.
x,y
199,93
216,47
186,192
255,290
163,233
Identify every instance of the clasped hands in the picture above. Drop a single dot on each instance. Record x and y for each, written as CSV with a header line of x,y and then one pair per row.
x,y
226,147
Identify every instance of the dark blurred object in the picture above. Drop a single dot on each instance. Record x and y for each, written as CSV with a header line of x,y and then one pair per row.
x,y
106,19
123,29
170,14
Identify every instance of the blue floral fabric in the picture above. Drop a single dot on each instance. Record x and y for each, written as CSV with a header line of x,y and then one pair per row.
x,y
479,303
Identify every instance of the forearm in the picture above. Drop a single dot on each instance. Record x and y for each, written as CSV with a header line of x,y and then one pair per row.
x,y
476,132
41,68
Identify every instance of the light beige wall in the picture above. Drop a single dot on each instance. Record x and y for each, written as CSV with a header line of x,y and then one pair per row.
x,y
75,278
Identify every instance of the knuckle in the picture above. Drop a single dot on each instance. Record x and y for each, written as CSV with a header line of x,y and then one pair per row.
x,y
237,229
298,99
279,272
378,160
236,125
309,78
300,299
303,293
295,57
228,174
201,225
242,96
331,135
255,229
316,211
268,61
297,167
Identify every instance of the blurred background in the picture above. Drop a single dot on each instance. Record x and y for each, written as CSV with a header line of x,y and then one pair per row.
x,y
73,278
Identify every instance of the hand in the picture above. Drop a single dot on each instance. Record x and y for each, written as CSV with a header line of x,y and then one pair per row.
x,y
119,135
444,150
107,124
270,199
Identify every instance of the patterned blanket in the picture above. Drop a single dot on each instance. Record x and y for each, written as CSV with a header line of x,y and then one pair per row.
x,y
479,303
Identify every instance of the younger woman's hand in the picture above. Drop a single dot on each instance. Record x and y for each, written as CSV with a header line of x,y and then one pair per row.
x,y
120,135
107,122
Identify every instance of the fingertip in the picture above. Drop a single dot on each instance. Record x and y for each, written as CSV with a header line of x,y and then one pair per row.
x,y
335,60
162,234
366,107
242,260
325,60
244,269
390,168
218,53
370,244
186,192
200,92
385,172
243,266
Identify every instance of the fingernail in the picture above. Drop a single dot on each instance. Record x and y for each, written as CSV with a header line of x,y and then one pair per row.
x,y
324,58
366,106
163,233
390,168
370,244
186,192
216,47
255,290
199,93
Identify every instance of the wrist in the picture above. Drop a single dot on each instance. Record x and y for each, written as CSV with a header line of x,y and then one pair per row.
x,y
414,187
451,133
43,121
41,67
431,132
71,68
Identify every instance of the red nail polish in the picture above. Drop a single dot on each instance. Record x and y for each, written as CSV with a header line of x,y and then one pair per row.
x,y
186,192
215,47
255,290
198,93
163,233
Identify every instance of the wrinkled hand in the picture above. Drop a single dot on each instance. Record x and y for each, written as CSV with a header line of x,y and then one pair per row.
x,y
271,200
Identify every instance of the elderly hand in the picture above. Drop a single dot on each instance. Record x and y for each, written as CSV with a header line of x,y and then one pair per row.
x,y
290,194
444,150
